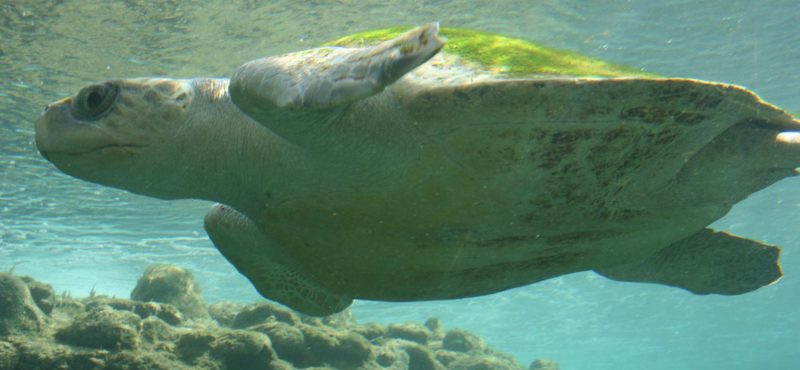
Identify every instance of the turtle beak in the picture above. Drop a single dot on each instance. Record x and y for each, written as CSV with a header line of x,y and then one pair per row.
x,y
39,123
57,131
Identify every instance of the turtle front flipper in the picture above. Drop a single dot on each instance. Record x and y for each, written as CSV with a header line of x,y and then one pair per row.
x,y
272,273
291,92
707,262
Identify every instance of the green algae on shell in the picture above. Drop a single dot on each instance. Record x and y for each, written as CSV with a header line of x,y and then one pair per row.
x,y
505,55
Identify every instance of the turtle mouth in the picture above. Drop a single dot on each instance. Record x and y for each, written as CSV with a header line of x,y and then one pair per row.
x,y
126,148
58,133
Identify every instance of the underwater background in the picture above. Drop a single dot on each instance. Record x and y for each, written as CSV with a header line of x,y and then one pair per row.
x,y
79,236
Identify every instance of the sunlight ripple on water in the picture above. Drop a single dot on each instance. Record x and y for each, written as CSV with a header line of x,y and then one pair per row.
x,y
78,236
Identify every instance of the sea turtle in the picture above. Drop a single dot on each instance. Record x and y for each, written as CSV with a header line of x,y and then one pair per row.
x,y
403,167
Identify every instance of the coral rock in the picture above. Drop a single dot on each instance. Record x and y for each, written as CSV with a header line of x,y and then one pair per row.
x,y
103,327
434,324
353,348
369,330
155,330
41,355
43,294
193,345
390,357
419,357
18,311
458,340
173,285
163,311
289,343
9,356
484,363
263,312
412,331
446,357
239,349
540,364
225,312
135,360
340,320
101,333
336,348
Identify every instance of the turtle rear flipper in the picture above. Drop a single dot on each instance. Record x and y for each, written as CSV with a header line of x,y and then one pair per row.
x,y
705,263
272,273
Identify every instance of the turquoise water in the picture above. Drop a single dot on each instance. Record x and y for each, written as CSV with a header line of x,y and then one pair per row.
x,y
78,236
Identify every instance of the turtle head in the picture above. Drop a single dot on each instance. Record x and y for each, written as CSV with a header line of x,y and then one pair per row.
x,y
119,133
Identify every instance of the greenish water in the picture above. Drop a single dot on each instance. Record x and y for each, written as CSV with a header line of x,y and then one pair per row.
x,y
77,235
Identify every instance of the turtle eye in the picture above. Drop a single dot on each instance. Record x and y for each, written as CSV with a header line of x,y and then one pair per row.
x,y
94,100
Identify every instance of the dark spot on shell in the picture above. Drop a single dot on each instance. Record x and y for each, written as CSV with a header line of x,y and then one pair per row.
x,y
511,136
461,95
707,101
690,119
568,168
649,115
568,137
667,137
581,237
421,246
763,123
510,239
510,153
485,90
537,205
152,97
612,135
594,110
553,157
